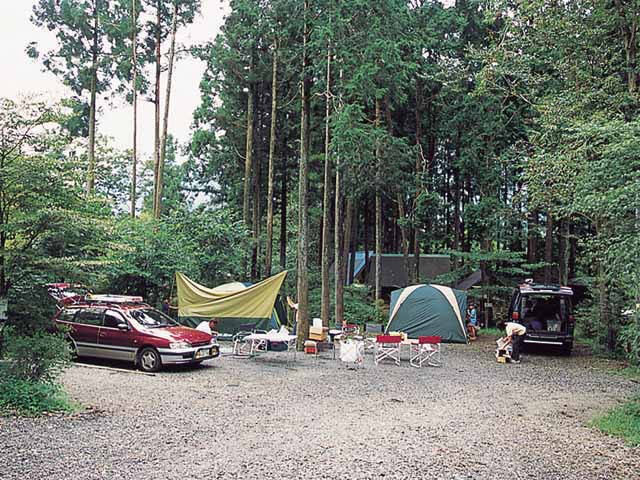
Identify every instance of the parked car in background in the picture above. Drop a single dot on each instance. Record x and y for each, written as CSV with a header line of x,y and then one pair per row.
x,y
125,328
547,313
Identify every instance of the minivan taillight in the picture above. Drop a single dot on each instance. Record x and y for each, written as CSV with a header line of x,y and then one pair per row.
x,y
515,316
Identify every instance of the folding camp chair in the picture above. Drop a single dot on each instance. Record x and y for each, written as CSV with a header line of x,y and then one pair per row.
x,y
387,346
350,329
428,350
246,342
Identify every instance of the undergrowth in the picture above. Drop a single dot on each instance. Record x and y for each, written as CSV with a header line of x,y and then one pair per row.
x,y
622,421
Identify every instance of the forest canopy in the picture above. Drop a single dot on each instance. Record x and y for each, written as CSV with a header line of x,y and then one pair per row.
x,y
504,134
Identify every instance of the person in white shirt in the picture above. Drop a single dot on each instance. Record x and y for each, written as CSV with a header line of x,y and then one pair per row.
x,y
209,326
515,335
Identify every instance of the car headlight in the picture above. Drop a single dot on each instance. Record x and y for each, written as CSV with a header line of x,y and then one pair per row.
x,y
179,345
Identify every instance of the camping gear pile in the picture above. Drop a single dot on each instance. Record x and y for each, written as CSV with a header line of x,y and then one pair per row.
x,y
503,350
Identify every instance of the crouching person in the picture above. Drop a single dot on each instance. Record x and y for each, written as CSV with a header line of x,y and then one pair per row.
x,y
515,335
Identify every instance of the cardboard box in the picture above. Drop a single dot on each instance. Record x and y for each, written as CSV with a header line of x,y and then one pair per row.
x,y
317,333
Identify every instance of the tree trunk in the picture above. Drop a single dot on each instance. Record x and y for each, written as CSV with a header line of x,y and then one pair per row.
x,y
532,239
404,233
348,232
469,194
255,227
156,101
365,240
303,214
418,184
456,207
248,162
342,253
272,148
565,251
134,55
165,120
325,289
91,173
283,215
378,210
354,245
548,249
338,262
628,21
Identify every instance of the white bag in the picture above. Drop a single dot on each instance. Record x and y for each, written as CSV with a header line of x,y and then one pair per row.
x,y
352,351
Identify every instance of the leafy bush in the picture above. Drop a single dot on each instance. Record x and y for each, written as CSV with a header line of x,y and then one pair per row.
x,y
630,340
30,307
27,397
40,357
359,309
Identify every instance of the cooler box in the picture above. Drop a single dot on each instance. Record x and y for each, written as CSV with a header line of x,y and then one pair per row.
x,y
310,347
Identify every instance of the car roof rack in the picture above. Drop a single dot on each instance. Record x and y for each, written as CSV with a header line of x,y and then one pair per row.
x,y
529,287
119,299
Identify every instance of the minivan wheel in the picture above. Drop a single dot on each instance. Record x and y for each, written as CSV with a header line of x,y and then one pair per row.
x,y
149,360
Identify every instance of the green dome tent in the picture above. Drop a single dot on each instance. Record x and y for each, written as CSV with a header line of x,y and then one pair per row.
x,y
423,310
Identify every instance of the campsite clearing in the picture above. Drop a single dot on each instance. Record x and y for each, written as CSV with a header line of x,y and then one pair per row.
x,y
266,418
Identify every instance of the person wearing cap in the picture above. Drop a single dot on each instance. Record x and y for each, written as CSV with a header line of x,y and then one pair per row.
x,y
515,336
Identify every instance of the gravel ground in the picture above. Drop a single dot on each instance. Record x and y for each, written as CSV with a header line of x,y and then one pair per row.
x,y
270,418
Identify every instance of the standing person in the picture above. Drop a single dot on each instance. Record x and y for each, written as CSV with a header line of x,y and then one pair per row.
x,y
472,321
515,336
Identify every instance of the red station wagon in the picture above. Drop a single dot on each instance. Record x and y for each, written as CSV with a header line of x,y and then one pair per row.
x,y
125,328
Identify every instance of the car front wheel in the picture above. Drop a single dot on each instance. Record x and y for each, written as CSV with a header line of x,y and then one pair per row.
x,y
149,360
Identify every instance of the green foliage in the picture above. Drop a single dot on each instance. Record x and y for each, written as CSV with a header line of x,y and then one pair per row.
x,y
144,254
629,339
30,307
39,358
30,398
29,371
359,309
622,421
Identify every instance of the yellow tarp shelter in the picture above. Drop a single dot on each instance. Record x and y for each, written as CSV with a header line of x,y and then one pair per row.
x,y
256,301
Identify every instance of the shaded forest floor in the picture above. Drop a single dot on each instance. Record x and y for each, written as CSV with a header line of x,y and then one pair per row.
x,y
272,418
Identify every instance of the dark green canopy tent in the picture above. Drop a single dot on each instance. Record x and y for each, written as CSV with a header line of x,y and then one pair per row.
x,y
424,310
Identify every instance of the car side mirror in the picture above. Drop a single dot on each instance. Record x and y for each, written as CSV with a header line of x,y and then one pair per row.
x,y
123,326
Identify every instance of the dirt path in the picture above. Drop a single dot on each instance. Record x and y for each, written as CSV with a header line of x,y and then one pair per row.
x,y
267,418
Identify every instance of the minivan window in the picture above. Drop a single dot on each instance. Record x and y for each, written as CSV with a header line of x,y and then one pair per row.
x,y
149,317
89,316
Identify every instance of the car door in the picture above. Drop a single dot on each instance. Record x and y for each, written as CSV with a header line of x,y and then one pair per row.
x,y
116,343
85,328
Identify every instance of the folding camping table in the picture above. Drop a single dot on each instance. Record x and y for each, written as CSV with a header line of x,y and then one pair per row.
x,y
257,342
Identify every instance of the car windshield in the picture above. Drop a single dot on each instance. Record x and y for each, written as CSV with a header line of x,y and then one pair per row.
x,y
151,318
